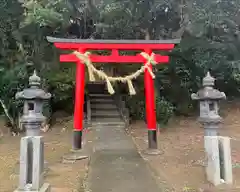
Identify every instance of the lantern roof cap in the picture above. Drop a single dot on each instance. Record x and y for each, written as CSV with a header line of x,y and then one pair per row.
x,y
208,92
33,92
34,79
208,80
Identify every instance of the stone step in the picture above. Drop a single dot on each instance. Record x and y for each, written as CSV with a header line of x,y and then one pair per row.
x,y
100,95
109,118
106,106
106,119
104,113
110,124
101,100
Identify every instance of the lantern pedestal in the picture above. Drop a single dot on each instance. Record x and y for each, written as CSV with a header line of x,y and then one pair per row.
x,y
45,188
219,163
31,177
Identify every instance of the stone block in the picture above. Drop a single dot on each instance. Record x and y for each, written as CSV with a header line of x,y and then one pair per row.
x,y
226,168
38,162
213,161
219,163
24,162
32,166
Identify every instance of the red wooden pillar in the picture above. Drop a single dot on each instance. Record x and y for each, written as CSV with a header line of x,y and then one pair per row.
x,y
79,103
150,107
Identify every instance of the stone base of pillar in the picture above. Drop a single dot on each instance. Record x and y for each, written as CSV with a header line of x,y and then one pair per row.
x,y
152,152
45,188
75,155
78,152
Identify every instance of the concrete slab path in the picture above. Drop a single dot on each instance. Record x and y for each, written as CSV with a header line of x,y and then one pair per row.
x,y
116,166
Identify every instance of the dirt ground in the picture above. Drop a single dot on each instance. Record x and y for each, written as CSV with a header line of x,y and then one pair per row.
x,y
181,166
63,177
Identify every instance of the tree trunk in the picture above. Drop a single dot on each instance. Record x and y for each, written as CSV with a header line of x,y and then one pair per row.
x,y
13,129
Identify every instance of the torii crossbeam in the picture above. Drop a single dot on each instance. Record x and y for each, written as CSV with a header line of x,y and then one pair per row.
x,y
147,46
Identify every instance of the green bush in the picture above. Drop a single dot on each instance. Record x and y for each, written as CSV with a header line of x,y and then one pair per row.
x,y
136,107
61,85
164,110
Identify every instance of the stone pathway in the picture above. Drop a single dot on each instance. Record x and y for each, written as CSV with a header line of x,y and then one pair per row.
x,y
116,166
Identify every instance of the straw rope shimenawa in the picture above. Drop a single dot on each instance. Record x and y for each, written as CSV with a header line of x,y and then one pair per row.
x,y
84,57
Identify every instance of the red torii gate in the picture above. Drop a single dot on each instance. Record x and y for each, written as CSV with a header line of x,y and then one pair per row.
x,y
82,46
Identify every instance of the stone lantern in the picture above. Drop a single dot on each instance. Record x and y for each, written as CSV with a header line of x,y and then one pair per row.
x,y
31,174
209,110
33,97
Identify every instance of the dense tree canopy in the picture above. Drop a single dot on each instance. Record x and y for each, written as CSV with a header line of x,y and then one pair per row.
x,y
209,30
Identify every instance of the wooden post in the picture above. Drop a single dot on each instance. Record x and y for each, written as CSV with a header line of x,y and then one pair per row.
x,y
150,107
78,107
